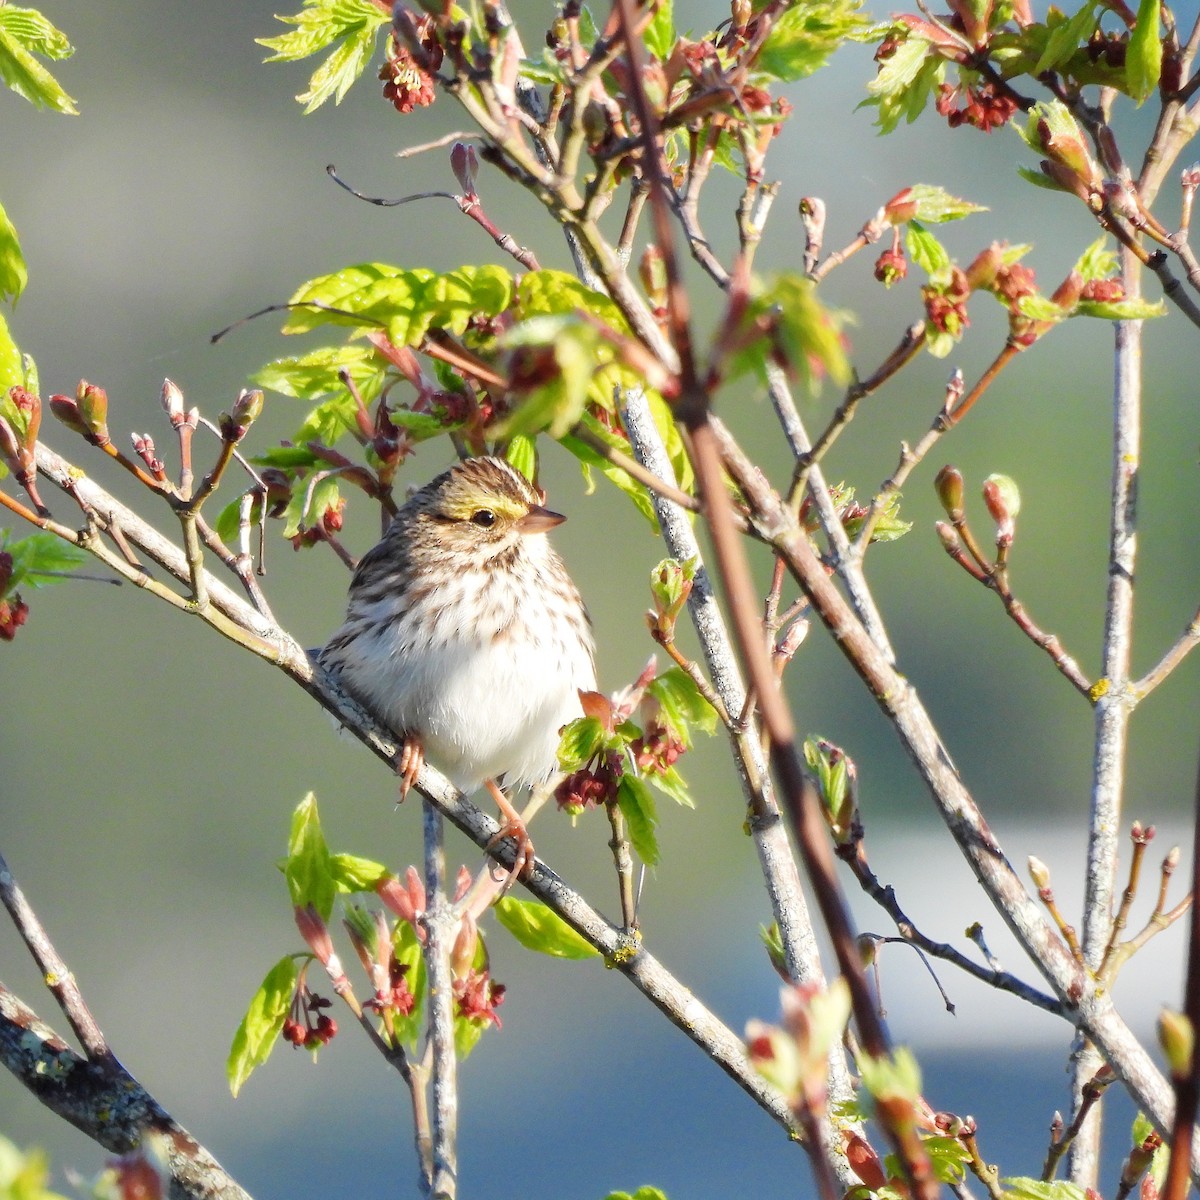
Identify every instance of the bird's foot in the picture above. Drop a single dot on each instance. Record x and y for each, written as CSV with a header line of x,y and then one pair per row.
x,y
408,763
512,826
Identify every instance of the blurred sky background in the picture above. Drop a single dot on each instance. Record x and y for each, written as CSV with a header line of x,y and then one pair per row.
x,y
149,769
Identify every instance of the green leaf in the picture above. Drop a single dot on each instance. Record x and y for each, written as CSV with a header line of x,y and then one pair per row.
x,y
1121,310
659,35
928,253
557,405
41,559
580,739
352,24
1143,56
288,458
1097,261
682,703
672,785
1020,1187
637,803
905,82
521,453
888,528
256,1035
13,273
316,374
309,865
536,927
894,1077
307,505
25,1174
407,303
592,459
805,333
935,205
353,874
407,951
646,1192
24,33
556,292
1066,36
805,35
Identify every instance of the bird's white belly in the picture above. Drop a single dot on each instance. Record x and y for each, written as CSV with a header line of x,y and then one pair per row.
x,y
482,710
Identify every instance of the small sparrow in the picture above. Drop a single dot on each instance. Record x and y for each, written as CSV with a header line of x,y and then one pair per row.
x,y
465,635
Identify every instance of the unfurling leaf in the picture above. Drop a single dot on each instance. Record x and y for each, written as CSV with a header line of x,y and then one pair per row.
x,y
308,867
256,1035
536,927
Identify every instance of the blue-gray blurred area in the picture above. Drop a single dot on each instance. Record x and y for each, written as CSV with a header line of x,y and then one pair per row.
x,y
149,768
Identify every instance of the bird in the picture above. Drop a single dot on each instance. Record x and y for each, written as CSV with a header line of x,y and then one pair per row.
x,y
465,635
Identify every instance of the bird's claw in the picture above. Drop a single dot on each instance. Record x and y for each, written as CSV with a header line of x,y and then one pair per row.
x,y
523,852
409,763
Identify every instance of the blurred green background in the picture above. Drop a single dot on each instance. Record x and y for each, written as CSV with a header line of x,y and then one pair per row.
x,y
149,769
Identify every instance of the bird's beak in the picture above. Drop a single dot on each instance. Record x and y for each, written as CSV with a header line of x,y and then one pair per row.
x,y
539,519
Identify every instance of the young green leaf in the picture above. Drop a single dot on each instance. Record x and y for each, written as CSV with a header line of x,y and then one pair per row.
x,y
317,373
805,35
1143,56
308,505
927,253
1020,1187
352,24
591,459
905,82
641,816
1121,310
581,738
659,35
538,928
13,272
308,867
256,1035
24,33
672,785
683,703
407,952
353,874
41,559
646,1192
12,369
521,453
1066,36
933,205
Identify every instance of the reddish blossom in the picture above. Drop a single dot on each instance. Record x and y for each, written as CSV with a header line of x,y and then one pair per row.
x,y
984,107
656,751
946,307
891,266
478,997
1014,282
13,614
1103,291
405,84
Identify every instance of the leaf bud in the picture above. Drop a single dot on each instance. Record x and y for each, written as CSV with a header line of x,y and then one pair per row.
x,y
93,410
1177,1039
67,411
26,410
1002,497
464,162
1039,873
949,484
172,402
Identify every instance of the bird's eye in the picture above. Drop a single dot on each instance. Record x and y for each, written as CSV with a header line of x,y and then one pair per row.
x,y
484,518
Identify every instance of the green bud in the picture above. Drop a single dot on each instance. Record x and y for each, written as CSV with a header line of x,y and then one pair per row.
x,y
949,484
1177,1038
93,410
1003,500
